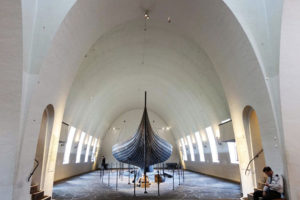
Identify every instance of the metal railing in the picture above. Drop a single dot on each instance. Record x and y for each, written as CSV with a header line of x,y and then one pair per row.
x,y
30,175
256,156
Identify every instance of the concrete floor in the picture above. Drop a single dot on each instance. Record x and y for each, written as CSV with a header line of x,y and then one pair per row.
x,y
195,186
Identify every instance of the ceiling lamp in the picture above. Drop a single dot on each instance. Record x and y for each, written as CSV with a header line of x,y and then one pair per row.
x,y
147,15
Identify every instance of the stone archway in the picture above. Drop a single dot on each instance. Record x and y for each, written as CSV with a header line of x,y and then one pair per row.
x,y
254,143
42,148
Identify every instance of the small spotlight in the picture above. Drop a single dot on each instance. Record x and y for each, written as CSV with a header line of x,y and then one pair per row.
x,y
169,19
147,15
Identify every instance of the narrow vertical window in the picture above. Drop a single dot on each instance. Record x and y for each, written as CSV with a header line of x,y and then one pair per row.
x,y
232,152
200,146
94,150
69,145
184,150
212,144
87,152
79,149
180,149
191,148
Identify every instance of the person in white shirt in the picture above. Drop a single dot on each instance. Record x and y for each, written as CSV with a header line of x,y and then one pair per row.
x,y
273,187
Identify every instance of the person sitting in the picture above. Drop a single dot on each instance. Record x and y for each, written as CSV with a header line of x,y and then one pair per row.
x,y
273,187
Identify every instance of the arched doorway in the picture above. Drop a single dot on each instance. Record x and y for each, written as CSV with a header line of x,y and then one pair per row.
x,y
42,148
255,147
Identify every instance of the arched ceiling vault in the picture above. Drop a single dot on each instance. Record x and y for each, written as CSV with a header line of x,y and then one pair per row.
x,y
180,79
218,41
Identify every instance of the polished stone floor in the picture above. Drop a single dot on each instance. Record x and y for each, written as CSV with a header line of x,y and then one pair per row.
x,y
195,186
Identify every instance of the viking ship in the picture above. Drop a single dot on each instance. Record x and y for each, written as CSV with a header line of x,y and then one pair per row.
x,y
145,148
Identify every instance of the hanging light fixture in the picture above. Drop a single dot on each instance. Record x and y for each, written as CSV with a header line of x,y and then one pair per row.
x,y
147,14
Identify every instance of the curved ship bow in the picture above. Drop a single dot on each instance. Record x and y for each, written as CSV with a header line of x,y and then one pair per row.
x,y
145,148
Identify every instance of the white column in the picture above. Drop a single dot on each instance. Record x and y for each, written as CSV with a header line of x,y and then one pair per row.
x,y
289,91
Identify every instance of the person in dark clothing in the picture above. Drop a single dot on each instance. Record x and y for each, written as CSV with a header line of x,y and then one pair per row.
x,y
103,162
273,187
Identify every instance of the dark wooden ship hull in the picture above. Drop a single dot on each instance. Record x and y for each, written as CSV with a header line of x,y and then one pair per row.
x,y
145,148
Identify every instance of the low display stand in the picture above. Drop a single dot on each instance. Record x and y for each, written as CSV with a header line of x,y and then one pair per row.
x,y
159,178
142,182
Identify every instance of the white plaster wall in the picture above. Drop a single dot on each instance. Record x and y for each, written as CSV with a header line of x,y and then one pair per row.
x,y
63,171
124,131
40,20
261,20
48,17
289,91
10,91
223,169
69,170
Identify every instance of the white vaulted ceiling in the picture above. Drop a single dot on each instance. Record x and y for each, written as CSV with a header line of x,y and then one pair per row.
x,y
175,62
179,77
100,46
